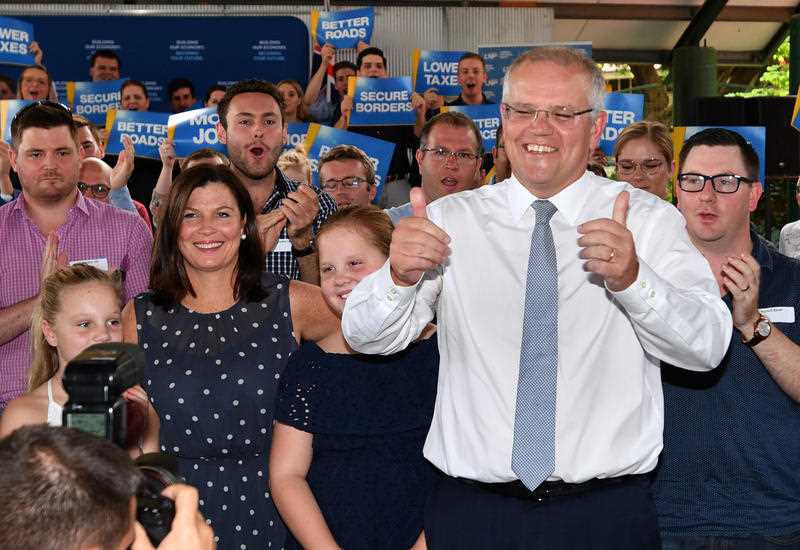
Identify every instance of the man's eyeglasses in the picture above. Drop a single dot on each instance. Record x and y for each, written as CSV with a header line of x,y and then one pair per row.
x,y
100,190
648,166
722,183
558,115
353,182
443,155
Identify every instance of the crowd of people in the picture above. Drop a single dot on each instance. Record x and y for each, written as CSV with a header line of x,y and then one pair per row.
x,y
553,359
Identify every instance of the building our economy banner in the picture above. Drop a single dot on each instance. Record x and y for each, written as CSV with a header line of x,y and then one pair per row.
x,y
15,42
321,139
381,101
435,69
92,100
193,130
623,110
498,58
754,135
342,29
146,130
486,118
8,109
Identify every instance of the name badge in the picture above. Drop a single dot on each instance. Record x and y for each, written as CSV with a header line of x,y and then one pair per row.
x,y
779,314
99,263
284,245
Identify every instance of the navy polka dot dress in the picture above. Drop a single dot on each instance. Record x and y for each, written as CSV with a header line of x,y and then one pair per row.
x,y
213,378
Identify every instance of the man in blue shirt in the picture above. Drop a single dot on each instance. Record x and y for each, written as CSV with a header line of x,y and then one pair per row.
x,y
729,475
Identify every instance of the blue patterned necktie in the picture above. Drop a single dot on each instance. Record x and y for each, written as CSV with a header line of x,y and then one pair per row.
x,y
533,456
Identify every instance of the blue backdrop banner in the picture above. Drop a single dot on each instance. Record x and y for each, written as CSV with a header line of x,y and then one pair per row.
x,y
499,57
193,130
147,131
623,110
381,101
15,42
486,117
93,99
438,70
9,108
321,139
342,29
206,50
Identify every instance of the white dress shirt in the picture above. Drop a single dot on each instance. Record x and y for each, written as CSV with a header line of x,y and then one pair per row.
x,y
609,411
789,243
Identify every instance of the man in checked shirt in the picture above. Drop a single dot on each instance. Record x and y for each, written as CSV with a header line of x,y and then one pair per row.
x,y
252,124
52,224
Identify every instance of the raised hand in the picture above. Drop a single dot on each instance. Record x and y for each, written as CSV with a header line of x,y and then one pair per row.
x,y
270,226
417,244
609,248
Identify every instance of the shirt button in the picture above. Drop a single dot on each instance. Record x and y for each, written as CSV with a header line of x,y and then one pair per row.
x,y
652,293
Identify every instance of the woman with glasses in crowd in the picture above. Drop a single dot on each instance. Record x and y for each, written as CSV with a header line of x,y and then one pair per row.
x,y
217,332
644,156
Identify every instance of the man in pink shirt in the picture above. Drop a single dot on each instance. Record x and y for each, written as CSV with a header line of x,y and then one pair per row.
x,y
52,211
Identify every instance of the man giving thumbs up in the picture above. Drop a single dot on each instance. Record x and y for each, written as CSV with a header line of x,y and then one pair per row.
x,y
556,292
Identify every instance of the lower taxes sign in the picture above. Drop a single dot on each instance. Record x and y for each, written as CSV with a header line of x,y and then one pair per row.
x,y
381,101
8,110
193,130
486,118
436,69
146,130
623,110
321,139
15,42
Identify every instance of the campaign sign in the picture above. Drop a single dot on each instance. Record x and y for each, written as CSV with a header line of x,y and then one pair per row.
x,y
146,130
297,132
8,110
93,99
754,135
15,41
623,110
795,122
321,139
499,57
435,69
342,29
381,101
193,130
486,117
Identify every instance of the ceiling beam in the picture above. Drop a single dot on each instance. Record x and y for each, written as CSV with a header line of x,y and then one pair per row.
x,y
724,58
621,12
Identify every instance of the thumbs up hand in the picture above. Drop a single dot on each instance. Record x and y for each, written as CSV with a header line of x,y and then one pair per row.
x,y
417,244
609,248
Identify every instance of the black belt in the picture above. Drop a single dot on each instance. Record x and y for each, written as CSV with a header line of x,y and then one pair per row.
x,y
549,489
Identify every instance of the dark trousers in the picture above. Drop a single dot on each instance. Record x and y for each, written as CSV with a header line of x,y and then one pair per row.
x,y
786,542
460,516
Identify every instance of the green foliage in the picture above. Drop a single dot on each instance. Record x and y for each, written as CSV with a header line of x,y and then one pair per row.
x,y
775,79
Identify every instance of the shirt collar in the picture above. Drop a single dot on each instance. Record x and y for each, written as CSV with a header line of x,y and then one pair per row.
x,y
569,201
21,205
279,191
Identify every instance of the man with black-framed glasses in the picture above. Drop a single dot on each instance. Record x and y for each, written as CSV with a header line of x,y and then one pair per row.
x,y
347,174
50,225
449,159
729,477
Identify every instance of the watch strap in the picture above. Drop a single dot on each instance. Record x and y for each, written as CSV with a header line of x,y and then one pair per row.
x,y
302,252
757,336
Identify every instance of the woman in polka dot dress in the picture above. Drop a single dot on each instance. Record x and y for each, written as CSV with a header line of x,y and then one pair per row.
x,y
217,333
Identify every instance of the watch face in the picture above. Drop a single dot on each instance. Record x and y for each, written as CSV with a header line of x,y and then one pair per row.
x,y
763,328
